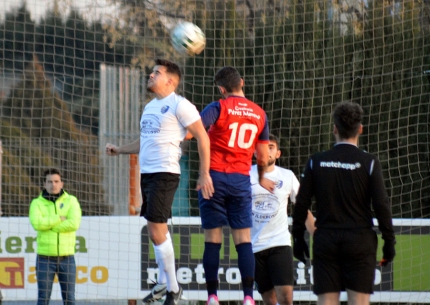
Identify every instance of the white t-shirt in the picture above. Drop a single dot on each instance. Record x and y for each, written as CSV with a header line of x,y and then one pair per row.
x,y
162,129
269,211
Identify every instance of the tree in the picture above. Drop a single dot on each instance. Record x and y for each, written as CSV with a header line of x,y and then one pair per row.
x,y
17,35
39,132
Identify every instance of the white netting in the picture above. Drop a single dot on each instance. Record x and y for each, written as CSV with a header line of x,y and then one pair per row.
x,y
73,75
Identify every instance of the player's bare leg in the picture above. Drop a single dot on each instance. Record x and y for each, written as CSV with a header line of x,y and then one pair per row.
x,y
241,236
357,298
213,235
284,294
269,297
330,298
157,232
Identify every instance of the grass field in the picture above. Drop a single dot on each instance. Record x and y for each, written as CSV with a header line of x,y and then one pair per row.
x,y
411,264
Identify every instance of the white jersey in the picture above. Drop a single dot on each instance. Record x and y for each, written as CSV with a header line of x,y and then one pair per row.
x,y
162,129
269,211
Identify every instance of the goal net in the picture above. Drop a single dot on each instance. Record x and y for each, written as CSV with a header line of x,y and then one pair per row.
x,y
73,78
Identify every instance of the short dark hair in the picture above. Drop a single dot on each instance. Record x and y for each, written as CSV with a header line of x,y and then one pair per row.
x,y
347,117
275,139
171,67
229,78
51,171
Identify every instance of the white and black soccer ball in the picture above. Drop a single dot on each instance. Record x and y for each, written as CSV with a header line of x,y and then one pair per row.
x,y
188,38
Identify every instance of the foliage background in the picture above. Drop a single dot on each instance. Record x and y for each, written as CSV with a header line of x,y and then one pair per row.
x,y
297,58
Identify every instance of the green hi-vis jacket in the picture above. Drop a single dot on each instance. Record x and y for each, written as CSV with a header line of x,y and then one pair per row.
x,y
55,237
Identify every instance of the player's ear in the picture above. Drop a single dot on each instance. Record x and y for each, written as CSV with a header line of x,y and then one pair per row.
x,y
335,131
360,129
173,80
278,154
242,82
221,90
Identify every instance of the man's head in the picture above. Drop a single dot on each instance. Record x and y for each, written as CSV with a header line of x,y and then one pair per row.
x,y
53,183
165,77
274,151
229,79
347,117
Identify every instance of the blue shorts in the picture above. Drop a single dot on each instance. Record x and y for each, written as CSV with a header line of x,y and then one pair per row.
x,y
231,203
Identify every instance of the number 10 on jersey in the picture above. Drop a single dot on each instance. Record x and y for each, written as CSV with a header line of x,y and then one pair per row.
x,y
239,132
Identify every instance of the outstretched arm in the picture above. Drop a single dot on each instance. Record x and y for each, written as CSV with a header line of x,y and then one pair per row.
x,y
128,149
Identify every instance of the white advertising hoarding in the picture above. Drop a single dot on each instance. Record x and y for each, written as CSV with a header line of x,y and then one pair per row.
x,y
115,261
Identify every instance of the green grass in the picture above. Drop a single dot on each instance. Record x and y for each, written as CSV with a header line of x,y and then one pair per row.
x,y
411,265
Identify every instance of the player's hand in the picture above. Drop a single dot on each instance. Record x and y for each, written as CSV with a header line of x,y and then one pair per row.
x,y
204,184
268,184
388,253
111,150
300,249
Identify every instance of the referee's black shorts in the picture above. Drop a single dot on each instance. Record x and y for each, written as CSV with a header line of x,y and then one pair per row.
x,y
274,267
344,259
158,191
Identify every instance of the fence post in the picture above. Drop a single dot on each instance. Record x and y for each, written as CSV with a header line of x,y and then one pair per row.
x,y
1,166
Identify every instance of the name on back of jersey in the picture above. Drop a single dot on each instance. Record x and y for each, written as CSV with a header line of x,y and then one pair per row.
x,y
243,111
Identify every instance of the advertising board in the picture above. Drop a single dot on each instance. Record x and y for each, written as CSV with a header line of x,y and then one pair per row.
x,y
115,260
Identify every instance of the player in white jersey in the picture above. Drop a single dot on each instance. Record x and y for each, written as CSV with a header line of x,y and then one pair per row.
x,y
164,123
271,240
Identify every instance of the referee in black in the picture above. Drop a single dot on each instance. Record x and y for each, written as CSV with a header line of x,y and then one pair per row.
x,y
346,182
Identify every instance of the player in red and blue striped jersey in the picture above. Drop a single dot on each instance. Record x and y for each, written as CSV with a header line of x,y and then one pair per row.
x,y
237,128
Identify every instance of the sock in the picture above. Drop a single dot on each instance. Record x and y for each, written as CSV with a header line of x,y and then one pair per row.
x,y
211,266
165,258
246,262
161,278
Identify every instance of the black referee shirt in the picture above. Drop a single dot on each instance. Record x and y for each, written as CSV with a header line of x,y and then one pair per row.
x,y
345,181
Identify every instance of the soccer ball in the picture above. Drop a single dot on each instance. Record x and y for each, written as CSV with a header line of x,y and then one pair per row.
x,y
188,38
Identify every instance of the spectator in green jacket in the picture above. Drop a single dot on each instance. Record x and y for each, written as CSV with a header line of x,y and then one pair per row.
x,y
56,216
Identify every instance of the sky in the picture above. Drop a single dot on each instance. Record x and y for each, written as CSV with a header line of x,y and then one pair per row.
x,y
89,9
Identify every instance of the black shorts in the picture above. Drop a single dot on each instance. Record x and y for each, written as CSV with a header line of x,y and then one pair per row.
x,y
274,267
344,259
158,191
